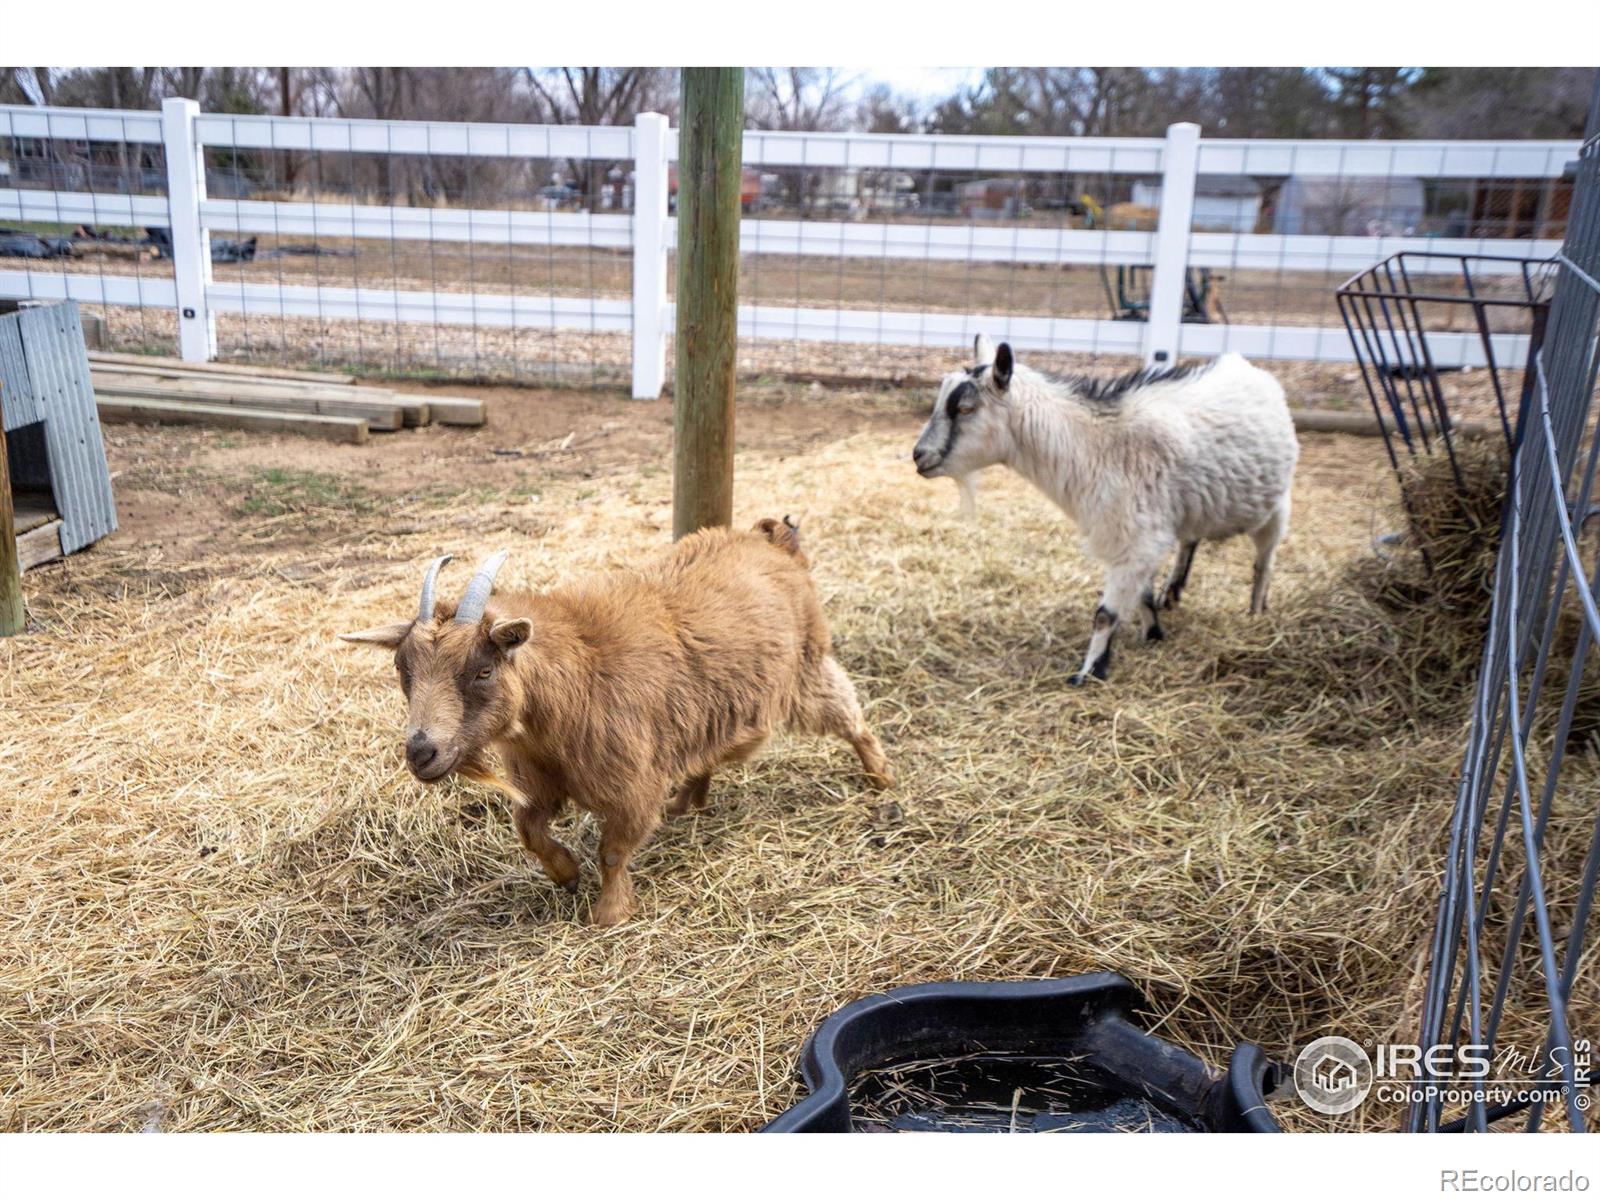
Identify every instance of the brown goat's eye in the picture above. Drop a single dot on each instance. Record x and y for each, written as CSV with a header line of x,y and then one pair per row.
x,y
485,673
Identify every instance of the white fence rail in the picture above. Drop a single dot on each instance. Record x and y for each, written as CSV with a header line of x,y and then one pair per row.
x,y
1171,251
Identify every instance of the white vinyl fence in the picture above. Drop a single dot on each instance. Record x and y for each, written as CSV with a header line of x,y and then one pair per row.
x,y
865,247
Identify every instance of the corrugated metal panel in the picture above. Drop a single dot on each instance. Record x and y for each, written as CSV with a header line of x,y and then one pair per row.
x,y
20,405
45,367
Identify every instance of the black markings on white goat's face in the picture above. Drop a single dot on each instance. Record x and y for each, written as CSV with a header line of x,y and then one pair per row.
x,y
962,433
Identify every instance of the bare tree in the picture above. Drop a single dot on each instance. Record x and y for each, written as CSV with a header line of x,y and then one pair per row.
x,y
288,160
1366,99
27,85
880,110
1499,102
427,93
797,98
599,96
182,81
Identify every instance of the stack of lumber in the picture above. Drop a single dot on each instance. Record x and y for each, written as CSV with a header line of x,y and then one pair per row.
x,y
141,389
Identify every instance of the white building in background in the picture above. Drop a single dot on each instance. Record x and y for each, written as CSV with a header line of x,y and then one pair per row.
x,y
1348,205
1222,203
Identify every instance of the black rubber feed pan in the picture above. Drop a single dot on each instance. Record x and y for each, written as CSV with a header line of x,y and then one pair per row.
x,y
1056,1056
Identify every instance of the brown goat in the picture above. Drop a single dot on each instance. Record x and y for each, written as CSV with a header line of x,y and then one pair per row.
x,y
623,693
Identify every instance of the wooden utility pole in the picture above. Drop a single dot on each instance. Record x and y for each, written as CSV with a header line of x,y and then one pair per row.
x,y
10,572
710,162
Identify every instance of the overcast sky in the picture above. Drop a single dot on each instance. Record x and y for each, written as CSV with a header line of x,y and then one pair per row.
x,y
925,83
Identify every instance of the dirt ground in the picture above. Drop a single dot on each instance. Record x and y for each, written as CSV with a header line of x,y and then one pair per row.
x,y
229,907
195,493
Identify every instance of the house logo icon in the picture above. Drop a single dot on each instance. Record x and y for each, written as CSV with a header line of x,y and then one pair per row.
x,y
1333,1075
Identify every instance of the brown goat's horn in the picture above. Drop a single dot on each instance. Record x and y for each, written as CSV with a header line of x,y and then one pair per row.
x,y
425,609
476,596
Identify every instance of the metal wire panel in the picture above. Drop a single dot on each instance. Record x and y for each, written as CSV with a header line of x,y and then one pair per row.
x,y
1509,938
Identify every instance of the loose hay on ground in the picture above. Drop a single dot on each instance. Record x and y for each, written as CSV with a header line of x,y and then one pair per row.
x,y
228,907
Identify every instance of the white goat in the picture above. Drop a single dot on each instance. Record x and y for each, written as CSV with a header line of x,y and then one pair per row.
x,y
1146,463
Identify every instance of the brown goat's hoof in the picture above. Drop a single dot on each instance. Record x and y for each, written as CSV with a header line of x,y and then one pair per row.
x,y
608,918
571,885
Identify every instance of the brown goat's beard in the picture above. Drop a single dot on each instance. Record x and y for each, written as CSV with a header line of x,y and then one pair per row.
x,y
479,768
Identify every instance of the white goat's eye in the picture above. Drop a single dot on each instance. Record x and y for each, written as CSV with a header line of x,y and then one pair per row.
x,y
965,407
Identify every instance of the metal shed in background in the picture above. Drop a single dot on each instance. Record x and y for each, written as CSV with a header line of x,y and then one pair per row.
x,y
1349,206
60,483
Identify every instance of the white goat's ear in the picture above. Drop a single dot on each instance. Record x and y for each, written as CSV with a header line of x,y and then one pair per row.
x,y
511,633
1002,366
388,636
982,350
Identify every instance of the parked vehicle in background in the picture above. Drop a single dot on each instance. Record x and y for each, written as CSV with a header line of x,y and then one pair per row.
x,y
750,188
559,195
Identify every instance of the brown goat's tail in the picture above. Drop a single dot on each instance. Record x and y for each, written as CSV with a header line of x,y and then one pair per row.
x,y
784,534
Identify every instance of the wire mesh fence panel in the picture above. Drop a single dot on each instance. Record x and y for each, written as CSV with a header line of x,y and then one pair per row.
x,y
1278,226
507,251
883,256
494,252
84,215
1506,967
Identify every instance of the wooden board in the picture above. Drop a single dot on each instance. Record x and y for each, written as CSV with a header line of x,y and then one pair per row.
x,y
39,545
177,364
449,410
414,408
31,509
126,410
418,408
1363,424
378,413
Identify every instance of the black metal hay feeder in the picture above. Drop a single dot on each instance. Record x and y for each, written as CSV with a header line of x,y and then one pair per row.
x,y
1399,312
1059,1055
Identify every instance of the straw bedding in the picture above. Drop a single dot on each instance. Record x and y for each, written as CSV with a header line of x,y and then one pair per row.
x,y
228,907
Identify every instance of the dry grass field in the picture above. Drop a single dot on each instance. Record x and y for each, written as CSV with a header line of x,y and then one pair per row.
x,y
228,906
1300,297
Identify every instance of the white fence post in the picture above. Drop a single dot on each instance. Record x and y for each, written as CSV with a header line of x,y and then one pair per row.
x,y
650,330
1180,159
191,244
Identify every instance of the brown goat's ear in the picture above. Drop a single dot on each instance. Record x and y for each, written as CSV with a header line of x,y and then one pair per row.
x,y
511,633
388,636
